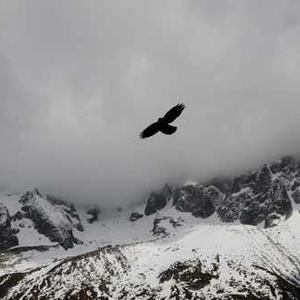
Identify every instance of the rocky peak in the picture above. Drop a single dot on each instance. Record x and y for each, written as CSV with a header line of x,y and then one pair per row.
x,y
55,219
7,234
158,200
257,196
194,199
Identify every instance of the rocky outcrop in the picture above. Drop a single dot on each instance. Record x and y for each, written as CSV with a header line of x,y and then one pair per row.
x,y
230,208
7,234
94,213
161,224
194,199
257,196
158,200
155,203
190,274
134,216
268,207
296,196
55,221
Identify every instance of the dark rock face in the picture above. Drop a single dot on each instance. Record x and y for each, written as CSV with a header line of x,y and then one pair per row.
x,y
94,212
190,274
230,208
254,210
167,192
275,202
194,199
251,198
214,195
296,195
236,185
69,209
7,234
262,196
134,216
158,200
155,203
54,221
7,281
160,224
263,180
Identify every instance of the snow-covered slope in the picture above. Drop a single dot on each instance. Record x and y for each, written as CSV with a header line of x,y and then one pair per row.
x,y
207,261
232,238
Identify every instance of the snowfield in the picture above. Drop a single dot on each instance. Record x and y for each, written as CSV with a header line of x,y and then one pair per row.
x,y
242,253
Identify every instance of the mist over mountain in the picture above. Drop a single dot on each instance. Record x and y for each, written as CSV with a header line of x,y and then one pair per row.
x,y
228,238
80,80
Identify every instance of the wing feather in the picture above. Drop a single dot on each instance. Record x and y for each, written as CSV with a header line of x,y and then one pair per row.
x,y
173,113
149,131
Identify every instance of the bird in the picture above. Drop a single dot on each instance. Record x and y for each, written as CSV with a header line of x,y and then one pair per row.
x,y
163,124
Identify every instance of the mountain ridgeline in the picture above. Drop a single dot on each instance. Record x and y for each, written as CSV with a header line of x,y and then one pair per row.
x,y
226,238
265,195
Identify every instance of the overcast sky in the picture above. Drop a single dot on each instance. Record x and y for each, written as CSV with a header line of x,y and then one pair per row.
x,y
80,79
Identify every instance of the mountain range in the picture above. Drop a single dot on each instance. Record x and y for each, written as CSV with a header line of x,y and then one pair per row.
x,y
226,238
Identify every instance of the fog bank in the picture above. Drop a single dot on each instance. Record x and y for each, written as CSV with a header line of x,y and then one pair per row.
x,y
80,79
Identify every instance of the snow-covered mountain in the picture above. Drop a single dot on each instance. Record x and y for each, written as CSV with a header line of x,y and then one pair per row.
x,y
227,238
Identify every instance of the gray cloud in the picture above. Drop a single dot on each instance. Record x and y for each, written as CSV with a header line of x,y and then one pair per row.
x,y
79,80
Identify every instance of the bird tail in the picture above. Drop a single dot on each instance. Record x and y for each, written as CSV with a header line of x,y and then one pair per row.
x,y
167,129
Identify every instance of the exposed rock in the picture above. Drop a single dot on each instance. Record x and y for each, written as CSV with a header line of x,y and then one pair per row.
x,y
161,224
134,216
272,220
69,209
214,195
155,203
7,234
249,198
193,199
167,192
94,212
288,164
7,281
236,185
274,202
254,210
18,216
230,208
263,180
190,274
296,196
158,200
54,221
262,195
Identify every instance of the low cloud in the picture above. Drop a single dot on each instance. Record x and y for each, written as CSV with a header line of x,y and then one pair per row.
x,y
80,80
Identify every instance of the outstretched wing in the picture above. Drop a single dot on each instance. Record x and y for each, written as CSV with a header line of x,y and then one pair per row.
x,y
167,129
173,113
150,130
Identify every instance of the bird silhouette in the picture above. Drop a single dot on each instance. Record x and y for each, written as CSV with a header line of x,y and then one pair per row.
x,y
162,124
